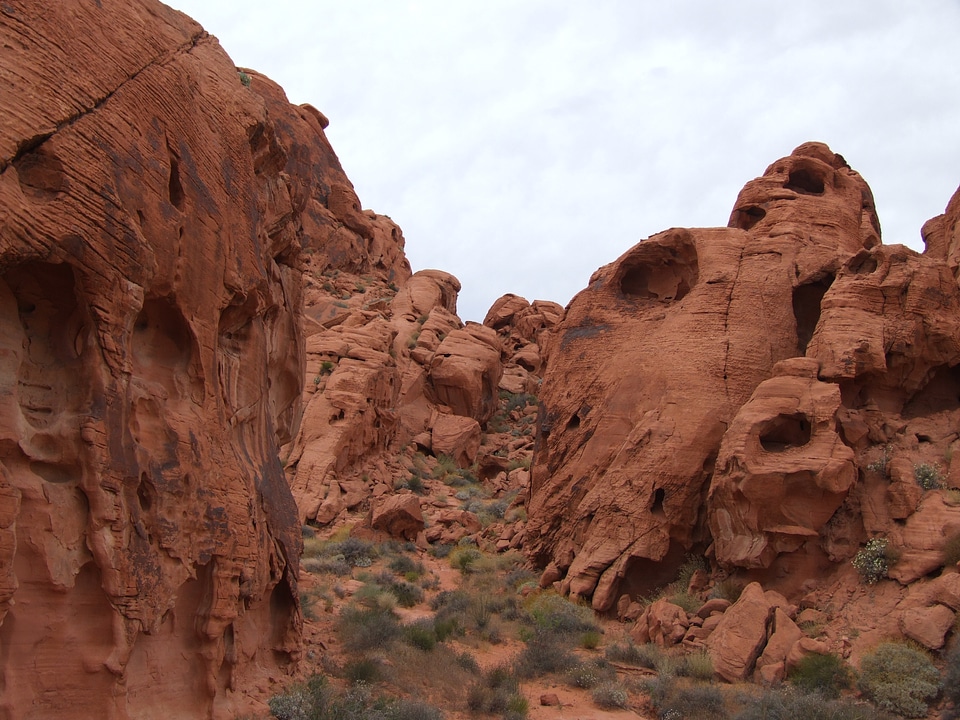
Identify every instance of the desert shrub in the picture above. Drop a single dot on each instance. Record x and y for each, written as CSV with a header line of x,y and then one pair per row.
x,y
421,634
450,600
826,674
610,695
362,670
790,704
555,614
690,702
495,692
327,566
690,603
403,564
544,653
468,662
727,589
518,576
367,628
356,552
951,550
697,665
873,560
900,678
590,674
446,465
590,640
951,683
628,653
316,700
928,476
406,593
307,532
464,559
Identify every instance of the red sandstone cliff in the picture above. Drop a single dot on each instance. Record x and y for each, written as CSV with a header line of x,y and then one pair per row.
x,y
152,212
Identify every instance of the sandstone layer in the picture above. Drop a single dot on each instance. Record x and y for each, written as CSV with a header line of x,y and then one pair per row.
x,y
733,391
153,205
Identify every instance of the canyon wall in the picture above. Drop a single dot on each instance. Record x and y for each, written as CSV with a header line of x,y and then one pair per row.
x,y
154,206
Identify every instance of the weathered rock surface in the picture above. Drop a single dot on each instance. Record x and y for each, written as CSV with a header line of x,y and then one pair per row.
x,y
761,393
151,207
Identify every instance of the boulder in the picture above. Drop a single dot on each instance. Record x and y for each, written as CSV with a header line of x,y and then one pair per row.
x,y
398,516
466,370
740,636
928,625
771,665
457,437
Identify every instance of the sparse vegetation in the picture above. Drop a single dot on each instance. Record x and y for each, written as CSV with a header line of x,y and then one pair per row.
x,y
626,652
882,464
316,699
928,476
610,695
873,561
824,674
900,678
951,683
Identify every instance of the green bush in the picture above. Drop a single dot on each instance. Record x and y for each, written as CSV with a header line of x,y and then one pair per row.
x,y
646,656
790,704
421,634
900,678
873,560
590,674
697,665
825,674
368,628
544,653
498,691
552,613
317,700
696,702
364,670
929,477
610,695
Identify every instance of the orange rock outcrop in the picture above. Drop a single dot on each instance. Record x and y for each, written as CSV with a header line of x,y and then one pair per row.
x,y
733,391
153,205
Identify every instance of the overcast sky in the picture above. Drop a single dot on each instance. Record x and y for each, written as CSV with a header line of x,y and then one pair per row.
x,y
521,144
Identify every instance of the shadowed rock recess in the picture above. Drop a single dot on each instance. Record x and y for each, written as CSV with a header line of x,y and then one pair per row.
x,y
205,342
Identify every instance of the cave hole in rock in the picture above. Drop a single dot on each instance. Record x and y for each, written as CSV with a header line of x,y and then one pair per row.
x,y
862,263
806,309
282,608
805,181
162,339
174,186
40,174
784,432
643,576
746,218
940,394
657,507
574,422
144,493
662,269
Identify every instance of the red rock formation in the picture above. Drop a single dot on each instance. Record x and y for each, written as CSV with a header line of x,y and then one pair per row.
x,y
151,206
730,389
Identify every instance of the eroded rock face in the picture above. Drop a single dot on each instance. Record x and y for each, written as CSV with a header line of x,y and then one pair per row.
x,y
727,390
151,206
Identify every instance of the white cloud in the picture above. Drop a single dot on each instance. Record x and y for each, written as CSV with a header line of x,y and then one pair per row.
x,y
522,144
